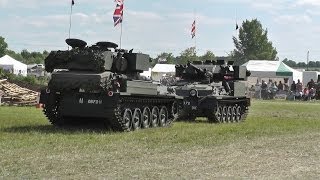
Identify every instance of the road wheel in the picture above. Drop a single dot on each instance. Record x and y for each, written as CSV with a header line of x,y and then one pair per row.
x,y
127,119
234,114
175,110
219,114
146,118
238,114
155,116
163,116
229,114
224,114
136,119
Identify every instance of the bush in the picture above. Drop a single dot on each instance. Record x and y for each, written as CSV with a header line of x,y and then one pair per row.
x,y
30,82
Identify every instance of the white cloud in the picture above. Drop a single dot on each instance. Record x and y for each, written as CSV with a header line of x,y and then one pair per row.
x,y
145,15
158,27
313,12
3,3
293,19
308,2
200,18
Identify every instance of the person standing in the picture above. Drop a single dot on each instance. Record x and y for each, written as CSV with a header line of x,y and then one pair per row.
x,y
311,84
293,87
280,86
264,90
257,89
318,90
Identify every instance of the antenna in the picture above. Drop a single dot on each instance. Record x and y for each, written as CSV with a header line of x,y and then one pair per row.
x,y
195,37
70,19
308,61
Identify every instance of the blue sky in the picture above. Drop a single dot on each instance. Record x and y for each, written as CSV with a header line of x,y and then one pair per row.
x,y
155,26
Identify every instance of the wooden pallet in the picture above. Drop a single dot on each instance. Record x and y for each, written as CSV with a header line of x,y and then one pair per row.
x,y
14,94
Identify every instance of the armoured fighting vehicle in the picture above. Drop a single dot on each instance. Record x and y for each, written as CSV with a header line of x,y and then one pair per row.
x,y
212,89
103,82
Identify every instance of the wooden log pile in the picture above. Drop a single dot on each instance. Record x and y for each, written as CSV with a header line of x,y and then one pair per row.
x,y
16,95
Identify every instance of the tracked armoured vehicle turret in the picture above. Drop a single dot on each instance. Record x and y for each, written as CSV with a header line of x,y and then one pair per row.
x,y
103,82
212,89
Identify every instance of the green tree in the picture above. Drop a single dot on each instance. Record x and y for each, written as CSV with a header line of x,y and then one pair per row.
x,y
209,55
168,57
252,43
3,46
14,55
290,62
187,55
301,64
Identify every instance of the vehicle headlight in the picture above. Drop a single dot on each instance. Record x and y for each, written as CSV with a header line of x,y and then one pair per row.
x,y
193,92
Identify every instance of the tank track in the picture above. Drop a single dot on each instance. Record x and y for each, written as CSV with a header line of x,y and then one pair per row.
x,y
117,117
228,112
214,116
52,111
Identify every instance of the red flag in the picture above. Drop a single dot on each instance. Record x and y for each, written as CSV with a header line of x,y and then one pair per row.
x,y
118,12
193,29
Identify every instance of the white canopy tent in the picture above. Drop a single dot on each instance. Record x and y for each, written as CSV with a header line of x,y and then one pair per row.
x,y
146,74
272,69
160,70
13,66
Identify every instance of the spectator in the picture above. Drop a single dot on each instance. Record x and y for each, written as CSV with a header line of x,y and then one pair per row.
x,y
299,89
305,94
318,90
273,90
312,94
299,86
293,87
286,87
257,90
311,84
269,83
264,90
280,86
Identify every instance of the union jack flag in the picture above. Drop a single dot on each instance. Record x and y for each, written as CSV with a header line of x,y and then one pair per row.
x,y
193,29
118,12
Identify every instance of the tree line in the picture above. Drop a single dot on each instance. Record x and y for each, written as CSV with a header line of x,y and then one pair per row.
x,y
311,64
251,44
24,56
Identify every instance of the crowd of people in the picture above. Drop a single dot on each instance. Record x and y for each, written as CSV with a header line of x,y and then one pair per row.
x,y
295,91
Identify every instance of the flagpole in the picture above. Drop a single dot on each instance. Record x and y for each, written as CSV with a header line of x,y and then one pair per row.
x,y
195,37
70,20
237,27
121,34
121,24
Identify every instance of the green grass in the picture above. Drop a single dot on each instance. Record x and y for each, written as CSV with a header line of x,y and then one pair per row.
x,y
31,148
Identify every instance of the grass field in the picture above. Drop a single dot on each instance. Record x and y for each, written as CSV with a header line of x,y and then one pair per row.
x,y
279,139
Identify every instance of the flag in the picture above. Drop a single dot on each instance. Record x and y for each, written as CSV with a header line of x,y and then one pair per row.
x,y
193,29
118,12
72,2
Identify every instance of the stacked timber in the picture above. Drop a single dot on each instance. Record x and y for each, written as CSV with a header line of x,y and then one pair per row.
x,y
16,95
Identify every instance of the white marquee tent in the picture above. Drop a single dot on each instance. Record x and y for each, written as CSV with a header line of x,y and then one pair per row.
x,y
162,69
146,74
13,66
272,69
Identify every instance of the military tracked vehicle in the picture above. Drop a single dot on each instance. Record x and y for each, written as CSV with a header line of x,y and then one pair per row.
x,y
103,82
212,89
